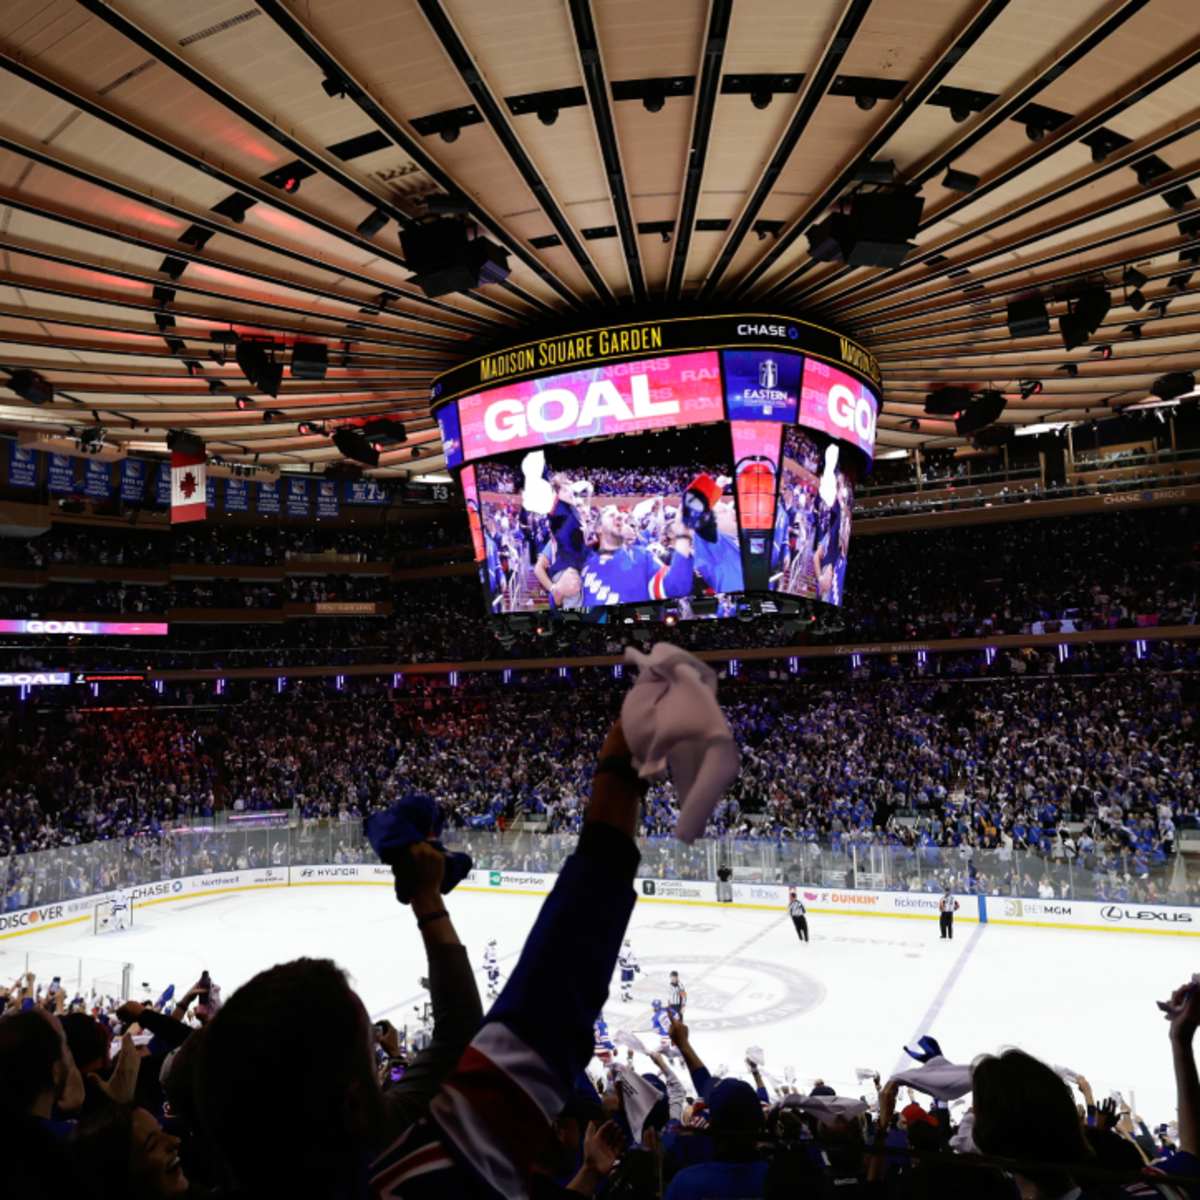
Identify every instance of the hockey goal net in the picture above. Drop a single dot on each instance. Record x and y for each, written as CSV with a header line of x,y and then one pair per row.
x,y
112,916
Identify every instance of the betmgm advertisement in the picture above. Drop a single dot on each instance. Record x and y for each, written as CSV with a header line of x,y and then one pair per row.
x,y
688,477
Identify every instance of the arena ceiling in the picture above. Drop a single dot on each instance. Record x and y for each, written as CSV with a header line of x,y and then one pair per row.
x,y
627,154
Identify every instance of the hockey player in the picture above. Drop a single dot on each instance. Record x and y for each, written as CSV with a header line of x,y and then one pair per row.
x,y
676,996
605,1048
628,963
492,967
660,1022
118,912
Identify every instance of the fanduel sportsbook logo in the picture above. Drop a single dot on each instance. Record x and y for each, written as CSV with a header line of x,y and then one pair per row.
x,y
559,409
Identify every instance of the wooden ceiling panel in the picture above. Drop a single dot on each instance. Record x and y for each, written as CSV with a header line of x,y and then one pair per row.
x,y
94,191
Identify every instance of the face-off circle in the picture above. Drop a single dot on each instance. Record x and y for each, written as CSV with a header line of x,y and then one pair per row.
x,y
727,993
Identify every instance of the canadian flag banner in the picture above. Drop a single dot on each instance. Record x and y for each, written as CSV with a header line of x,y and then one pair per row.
x,y
187,486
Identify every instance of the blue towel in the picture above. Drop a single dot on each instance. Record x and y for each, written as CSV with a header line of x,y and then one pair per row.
x,y
415,818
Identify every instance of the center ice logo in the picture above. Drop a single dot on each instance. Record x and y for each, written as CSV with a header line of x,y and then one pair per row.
x,y
730,993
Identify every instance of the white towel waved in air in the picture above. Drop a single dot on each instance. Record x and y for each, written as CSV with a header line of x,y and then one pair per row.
x,y
671,719
938,1078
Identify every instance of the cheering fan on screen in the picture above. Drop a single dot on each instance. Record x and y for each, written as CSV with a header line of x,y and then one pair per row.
x,y
713,526
618,572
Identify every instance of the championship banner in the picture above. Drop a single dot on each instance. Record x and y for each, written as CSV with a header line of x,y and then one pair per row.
x,y
237,495
188,491
327,498
365,491
133,479
61,473
162,485
22,466
267,501
297,498
97,480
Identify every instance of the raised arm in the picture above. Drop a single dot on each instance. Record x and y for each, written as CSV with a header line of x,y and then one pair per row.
x,y
457,1011
1183,1013
701,1079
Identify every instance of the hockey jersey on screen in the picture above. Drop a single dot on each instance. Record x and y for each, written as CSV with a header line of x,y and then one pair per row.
x,y
570,549
631,574
719,563
661,1023
604,1046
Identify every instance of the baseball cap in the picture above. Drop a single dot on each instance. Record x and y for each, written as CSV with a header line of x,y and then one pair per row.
x,y
733,1106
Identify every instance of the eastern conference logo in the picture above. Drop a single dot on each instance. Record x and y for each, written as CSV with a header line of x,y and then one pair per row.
x,y
1115,912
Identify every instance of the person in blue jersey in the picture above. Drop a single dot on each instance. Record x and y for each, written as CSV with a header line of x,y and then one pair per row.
x,y
716,551
605,1047
660,1022
619,573
831,540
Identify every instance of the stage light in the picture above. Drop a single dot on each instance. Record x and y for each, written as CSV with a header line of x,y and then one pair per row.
x,y
351,444
183,441
243,402
444,259
259,366
31,386
310,360
1027,316
163,296
1030,387
1132,277
1104,350
311,429
1090,307
1173,385
960,181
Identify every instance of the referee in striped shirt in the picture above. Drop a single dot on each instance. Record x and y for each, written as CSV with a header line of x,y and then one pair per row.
x,y
797,912
676,996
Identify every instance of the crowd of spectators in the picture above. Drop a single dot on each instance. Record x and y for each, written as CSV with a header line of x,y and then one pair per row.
x,y
1011,784
1080,573
286,1087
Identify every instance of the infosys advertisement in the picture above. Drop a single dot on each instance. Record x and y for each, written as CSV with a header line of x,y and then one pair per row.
x,y
836,404
89,628
684,389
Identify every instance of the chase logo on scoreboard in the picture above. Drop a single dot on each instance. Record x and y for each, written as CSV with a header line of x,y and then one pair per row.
x,y
762,385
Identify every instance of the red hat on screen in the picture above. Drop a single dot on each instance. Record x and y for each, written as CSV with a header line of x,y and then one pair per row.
x,y
708,487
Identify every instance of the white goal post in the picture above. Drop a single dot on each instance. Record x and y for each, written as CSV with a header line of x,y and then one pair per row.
x,y
112,916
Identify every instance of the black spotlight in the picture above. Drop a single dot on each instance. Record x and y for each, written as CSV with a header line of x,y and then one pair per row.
x,y
172,266
874,233
1030,387
31,386
449,131
654,99
243,402
947,401
386,431
309,360
445,260
761,99
163,295
960,113
1088,310
1068,369
1180,282
183,441
960,181
866,103
1174,385
1132,277
1027,317
984,410
372,223
353,445
1136,300
259,366
1134,330
311,429
547,114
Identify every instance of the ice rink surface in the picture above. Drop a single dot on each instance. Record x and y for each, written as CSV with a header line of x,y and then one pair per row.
x,y
850,998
